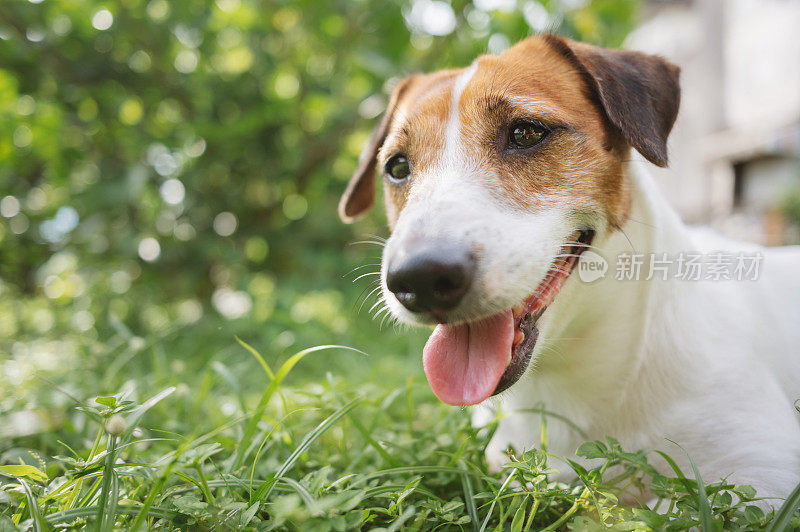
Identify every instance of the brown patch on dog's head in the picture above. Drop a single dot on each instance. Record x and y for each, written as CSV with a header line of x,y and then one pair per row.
x,y
359,195
417,107
639,93
596,103
579,162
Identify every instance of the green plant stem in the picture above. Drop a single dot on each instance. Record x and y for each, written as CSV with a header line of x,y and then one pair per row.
x,y
577,504
106,508
76,490
532,513
204,483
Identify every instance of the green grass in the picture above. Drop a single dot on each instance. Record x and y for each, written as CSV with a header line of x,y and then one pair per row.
x,y
335,453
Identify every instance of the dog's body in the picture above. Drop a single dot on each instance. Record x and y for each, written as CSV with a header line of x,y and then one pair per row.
x,y
711,365
498,177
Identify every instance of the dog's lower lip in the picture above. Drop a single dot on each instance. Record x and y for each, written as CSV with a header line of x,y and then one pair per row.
x,y
522,352
439,317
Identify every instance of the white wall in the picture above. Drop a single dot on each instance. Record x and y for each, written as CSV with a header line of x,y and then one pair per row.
x,y
740,79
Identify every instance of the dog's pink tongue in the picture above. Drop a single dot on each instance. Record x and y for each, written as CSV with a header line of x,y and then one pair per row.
x,y
464,363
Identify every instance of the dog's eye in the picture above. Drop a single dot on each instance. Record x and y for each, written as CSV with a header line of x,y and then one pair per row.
x,y
397,168
526,134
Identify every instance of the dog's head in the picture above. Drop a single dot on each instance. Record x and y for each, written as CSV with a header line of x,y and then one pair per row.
x,y
496,177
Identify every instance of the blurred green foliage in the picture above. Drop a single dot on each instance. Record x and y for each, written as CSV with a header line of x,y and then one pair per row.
x,y
169,172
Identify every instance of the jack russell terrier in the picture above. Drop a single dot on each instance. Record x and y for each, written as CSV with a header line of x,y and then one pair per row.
x,y
500,179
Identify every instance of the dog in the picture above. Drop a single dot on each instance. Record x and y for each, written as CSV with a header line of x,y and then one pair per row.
x,y
499,180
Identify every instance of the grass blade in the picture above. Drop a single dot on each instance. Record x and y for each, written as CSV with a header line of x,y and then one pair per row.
x,y
263,492
365,433
39,524
706,517
107,505
519,516
508,481
257,356
411,510
677,471
67,516
133,419
308,499
258,453
144,510
784,515
373,443
469,499
387,489
252,424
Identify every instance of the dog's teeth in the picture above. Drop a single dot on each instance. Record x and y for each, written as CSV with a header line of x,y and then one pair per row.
x,y
517,310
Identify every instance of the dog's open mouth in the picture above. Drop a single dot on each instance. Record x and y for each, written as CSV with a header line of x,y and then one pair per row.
x,y
469,362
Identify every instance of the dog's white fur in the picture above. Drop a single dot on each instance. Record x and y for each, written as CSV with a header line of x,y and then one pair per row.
x,y
714,366
453,200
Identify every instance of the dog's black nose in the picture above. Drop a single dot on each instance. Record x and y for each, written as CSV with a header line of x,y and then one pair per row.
x,y
430,276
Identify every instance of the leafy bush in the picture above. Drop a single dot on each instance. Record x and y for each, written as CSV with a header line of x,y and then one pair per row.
x,y
169,172
178,162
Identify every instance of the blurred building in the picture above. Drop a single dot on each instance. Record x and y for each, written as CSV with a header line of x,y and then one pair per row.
x,y
735,149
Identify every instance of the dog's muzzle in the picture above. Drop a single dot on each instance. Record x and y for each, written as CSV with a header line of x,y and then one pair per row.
x,y
430,276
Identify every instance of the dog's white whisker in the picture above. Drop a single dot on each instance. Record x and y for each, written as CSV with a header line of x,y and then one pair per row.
x,y
368,274
377,303
361,306
372,265
373,242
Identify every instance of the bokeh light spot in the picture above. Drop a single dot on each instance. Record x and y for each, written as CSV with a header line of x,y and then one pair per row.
x,y
158,10
228,6
23,136
433,17
83,320
54,287
120,282
186,61
172,191
492,5
149,249
61,24
139,61
256,249
537,16
286,85
189,311
87,109
9,206
295,206
19,224
184,231
102,19
231,304
131,111
225,223
26,105
37,199
498,43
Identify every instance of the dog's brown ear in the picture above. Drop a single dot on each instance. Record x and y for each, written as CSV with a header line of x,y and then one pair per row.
x,y
639,93
359,195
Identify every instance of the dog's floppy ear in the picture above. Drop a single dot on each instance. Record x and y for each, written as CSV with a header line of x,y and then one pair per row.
x,y
639,93
360,192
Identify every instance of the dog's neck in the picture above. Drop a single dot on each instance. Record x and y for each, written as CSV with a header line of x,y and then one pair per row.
x,y
593,335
